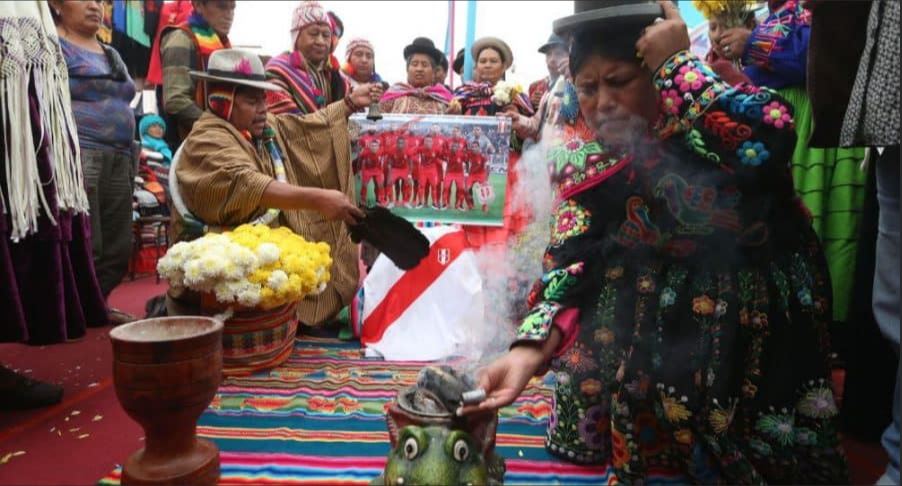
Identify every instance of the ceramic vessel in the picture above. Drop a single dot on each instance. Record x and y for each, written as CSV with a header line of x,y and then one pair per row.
x,y
166,372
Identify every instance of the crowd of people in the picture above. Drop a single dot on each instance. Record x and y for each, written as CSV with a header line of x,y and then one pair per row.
x,y
704,232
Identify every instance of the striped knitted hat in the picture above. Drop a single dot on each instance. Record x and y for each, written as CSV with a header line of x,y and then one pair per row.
x,y
355,43
310,12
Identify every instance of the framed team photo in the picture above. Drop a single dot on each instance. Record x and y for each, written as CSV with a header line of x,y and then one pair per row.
x,y
444,169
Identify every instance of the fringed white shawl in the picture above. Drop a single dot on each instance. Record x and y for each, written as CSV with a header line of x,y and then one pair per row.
x,y
29,50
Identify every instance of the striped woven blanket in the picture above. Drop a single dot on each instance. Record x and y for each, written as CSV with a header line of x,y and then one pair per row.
x,y
319,418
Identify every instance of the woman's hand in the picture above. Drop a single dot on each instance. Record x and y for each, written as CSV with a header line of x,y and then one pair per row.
x,y
733,42
664,38
336,206
454,108
506,377
365,94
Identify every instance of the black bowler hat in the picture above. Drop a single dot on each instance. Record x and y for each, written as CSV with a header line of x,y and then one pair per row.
x,y
423,45
602,13
458,65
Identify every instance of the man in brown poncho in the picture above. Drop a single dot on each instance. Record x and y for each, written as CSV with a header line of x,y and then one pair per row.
x,y
228,174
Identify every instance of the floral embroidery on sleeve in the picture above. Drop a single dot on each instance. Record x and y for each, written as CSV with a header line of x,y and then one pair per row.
x,y
686,76
570,220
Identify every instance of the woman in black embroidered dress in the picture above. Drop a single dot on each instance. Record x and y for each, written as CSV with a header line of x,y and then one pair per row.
x,y
686,296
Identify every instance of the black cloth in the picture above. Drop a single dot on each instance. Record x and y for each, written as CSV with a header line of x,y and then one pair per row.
x,y
870,361
392,235
838,31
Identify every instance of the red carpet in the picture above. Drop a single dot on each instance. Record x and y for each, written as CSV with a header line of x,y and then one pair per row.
x,y
99,436
89,444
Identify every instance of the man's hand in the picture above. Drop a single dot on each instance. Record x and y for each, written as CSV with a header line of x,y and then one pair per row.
x,y
365,94
335,206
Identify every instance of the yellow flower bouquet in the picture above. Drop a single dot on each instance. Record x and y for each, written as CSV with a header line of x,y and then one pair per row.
x,y
731,13
252,267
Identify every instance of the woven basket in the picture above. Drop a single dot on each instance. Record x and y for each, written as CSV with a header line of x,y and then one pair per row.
x,y
253,339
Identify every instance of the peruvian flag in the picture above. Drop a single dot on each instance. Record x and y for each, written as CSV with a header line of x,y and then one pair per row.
x,y
427,313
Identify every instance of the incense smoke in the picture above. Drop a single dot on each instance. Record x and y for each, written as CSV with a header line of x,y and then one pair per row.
x,y
509,271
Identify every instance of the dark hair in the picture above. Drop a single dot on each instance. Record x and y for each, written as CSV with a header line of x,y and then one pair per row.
x,y
500,54
617,42
431,59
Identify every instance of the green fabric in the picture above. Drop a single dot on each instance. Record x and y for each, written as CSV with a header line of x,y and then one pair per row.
x,y
831,184
343,319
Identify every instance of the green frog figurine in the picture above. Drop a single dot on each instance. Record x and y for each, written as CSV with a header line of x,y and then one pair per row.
x,y
435,455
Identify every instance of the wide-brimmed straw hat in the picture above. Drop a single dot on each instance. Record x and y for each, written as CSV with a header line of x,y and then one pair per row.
x,y
236,67
603,13
497,44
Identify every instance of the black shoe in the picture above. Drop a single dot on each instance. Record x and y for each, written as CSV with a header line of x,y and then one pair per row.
x,y
18,392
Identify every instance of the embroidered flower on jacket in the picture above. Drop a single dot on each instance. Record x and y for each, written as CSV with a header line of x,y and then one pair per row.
x,y
590,387
753,153
720,309
818,403
594,427
614,273
645,284
604,336
805,298
571,220
778,427
674,410
579,359
759,320
671,101
777,115
689,79
668,297
720,418
703,305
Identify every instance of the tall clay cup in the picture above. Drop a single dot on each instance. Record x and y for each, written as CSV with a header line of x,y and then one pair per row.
x,y
166,372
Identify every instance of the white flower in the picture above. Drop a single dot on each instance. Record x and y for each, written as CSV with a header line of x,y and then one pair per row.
x,y
249,295
277,280
268,253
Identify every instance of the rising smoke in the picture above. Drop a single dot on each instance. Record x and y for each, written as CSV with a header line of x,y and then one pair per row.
x,y
509,271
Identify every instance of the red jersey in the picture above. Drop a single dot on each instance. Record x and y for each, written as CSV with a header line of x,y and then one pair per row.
x,y
477,162
370,160
429,157
460,141
389,139
456,162
413,141
364,140
401,158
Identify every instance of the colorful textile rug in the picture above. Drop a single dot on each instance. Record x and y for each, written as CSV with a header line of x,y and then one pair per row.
x,y
319,419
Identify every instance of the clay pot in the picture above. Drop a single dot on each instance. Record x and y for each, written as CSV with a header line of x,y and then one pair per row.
x,y
166,372
482,427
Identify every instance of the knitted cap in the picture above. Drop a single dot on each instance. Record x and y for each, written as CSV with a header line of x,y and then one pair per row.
x,y
355,43
309,12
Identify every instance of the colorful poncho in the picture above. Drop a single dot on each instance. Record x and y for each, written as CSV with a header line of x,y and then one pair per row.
x,y
305,92
404,98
